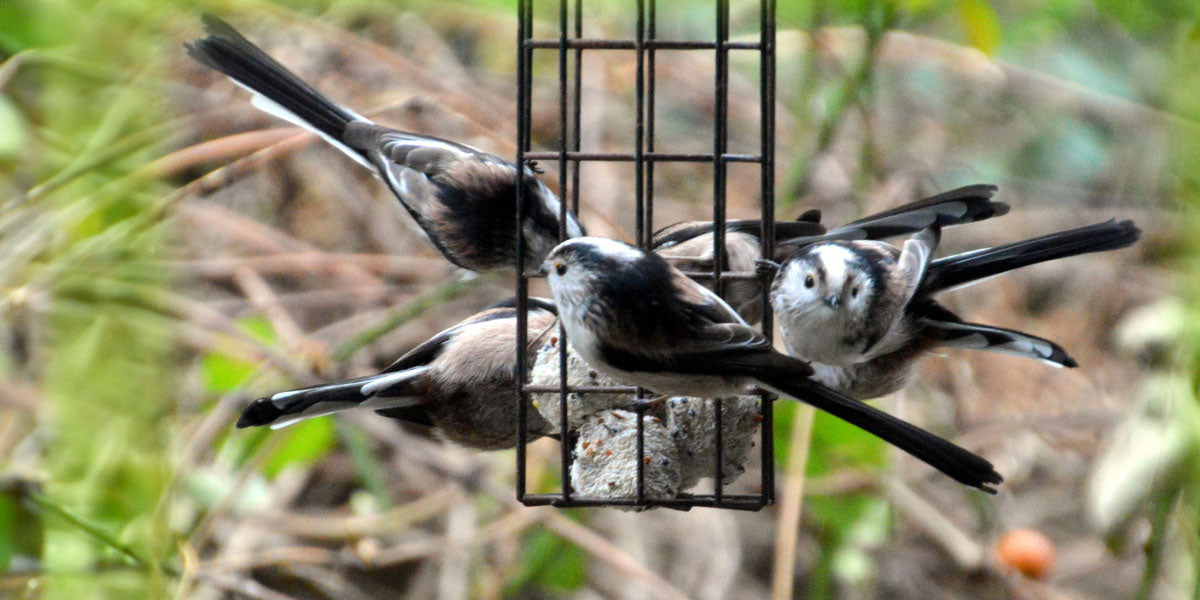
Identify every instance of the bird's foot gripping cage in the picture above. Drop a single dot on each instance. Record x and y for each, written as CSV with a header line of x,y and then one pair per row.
x,y
570,46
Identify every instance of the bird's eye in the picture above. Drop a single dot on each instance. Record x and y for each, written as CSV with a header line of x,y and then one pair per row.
x,y
809,282
854,292
560,268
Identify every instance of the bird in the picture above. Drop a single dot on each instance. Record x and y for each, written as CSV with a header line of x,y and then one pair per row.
x,y
463,198
689,246
460,382
863,312
629,313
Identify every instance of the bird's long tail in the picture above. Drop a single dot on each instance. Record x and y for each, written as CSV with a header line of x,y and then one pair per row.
x,y
388,390
970,267
968,204
958,463
276,90
957,334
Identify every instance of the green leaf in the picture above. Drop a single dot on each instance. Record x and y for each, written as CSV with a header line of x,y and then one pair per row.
x,y
981,24
551,563
1142,16
259,328
837,444
308,441
224,373
12,130
371,473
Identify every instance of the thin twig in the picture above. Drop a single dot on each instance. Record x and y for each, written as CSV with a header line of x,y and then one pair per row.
x,y
967,553
259,236
600,547
242,585
200,532
1159,525
788,526
230,146
404,268
410,310
259,292
101,535
515,521
345,528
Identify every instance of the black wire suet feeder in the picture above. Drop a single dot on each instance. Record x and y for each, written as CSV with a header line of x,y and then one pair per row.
x,y
570,46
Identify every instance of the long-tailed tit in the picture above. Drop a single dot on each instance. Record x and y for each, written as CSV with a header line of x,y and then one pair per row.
x,y
464,199
863,312
460,381
631,314
689,246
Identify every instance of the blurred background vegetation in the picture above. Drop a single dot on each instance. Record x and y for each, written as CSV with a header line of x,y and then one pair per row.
x,y
168,253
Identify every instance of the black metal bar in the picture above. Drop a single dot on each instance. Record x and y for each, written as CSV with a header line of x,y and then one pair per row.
x,y
563,124
523,91
646,156
704,275
767,238
576,106
651,33
581,389
683,501
601,44
564,445
639,194
564,421
720,142
639,128
724,275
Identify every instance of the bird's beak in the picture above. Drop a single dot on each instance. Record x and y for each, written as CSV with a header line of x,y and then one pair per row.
x,y
831,301
543,270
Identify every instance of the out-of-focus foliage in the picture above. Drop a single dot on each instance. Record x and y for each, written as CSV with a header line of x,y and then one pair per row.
x,y
80,98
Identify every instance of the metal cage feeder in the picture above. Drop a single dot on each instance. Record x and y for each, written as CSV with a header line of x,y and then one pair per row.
x,y
570,46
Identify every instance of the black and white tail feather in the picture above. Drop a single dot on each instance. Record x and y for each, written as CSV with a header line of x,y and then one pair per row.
x,y
960,270
977,336
273,88
967,204
376,392
960,206
960,464
462,198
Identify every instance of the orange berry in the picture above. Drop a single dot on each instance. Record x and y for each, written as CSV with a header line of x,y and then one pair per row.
x,y
1026,551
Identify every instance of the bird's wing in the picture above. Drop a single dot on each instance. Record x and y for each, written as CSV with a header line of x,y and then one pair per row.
x,y
428,155
424,353
699,328
707,351
410,163
914,257
703,302
717,327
